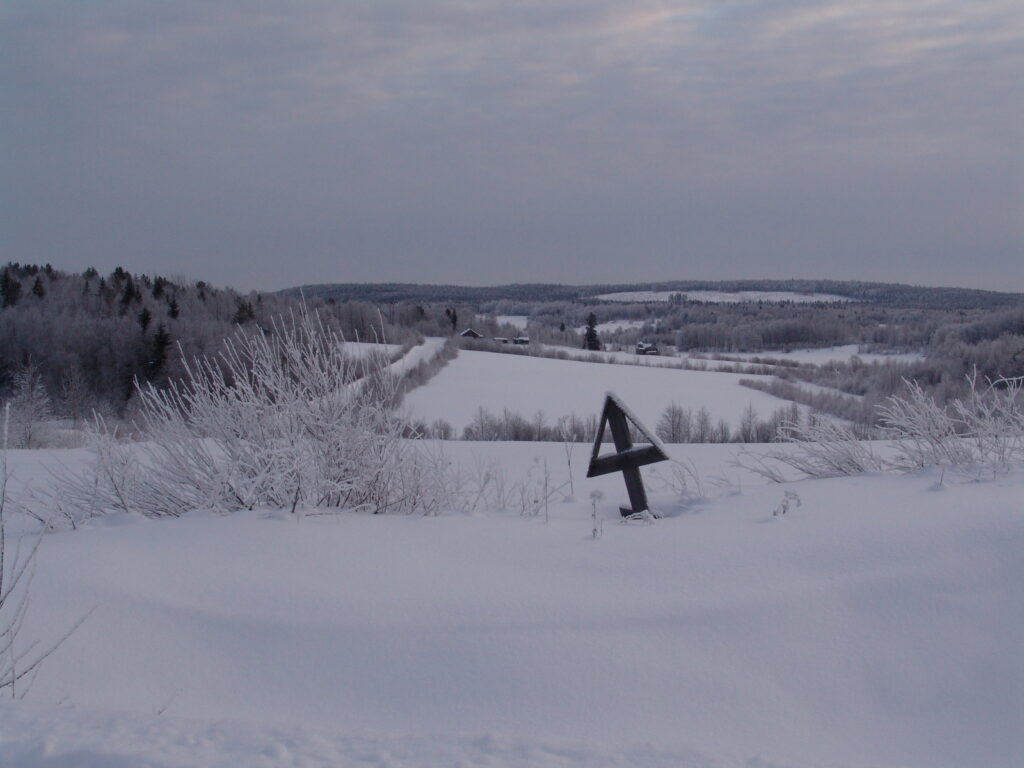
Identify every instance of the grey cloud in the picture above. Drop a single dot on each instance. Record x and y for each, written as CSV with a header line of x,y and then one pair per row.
x,y
267,144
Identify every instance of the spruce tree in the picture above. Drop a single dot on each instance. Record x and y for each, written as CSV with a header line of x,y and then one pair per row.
x,y
10,288
243,314
157,353
590,337
129,295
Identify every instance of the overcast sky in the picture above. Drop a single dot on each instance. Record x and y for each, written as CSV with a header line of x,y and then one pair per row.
x,y
269,144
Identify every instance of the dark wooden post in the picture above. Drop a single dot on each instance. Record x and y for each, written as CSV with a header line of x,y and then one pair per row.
x,y
634,483
626,458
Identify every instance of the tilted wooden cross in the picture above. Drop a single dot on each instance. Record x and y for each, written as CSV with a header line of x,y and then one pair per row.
x,y
627,459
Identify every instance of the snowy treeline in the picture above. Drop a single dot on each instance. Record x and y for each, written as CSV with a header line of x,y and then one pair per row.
x,y
512,299
675,425
958,353
74,343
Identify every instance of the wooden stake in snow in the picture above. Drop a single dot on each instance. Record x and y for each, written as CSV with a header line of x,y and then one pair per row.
x,y
627,459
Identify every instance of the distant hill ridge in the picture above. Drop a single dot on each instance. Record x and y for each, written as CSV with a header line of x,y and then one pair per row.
x,y
882,294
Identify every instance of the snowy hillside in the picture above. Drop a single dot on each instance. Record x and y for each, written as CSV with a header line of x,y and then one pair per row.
x,y
878,623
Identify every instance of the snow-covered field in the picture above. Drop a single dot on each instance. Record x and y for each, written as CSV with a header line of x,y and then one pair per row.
x,y
628,356
526,385
724,297
821,356
611,326
825,355
879,623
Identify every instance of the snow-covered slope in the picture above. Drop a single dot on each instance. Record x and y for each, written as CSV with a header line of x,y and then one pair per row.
x,y
73,737
879,623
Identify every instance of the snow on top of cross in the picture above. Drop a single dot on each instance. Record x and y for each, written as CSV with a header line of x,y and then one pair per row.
x,y
651,437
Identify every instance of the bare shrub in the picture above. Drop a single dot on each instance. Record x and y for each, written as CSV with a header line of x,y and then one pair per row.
x,y
675,425
994,417
926,433
682,479
513,426
824,447
537,489
860,411
985,428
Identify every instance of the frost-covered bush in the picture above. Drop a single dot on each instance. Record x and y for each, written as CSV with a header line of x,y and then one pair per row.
x,y
925,432
30,409
985,429
827,448
285,419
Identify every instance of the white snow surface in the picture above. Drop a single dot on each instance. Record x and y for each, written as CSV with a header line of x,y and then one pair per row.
x,y
421,353
611,326
526,385
724,297
824,355
519,321
820,356
73,737
629,356
877,624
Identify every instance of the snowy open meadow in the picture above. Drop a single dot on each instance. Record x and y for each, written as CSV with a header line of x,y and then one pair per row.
x,y
528,385
872,620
